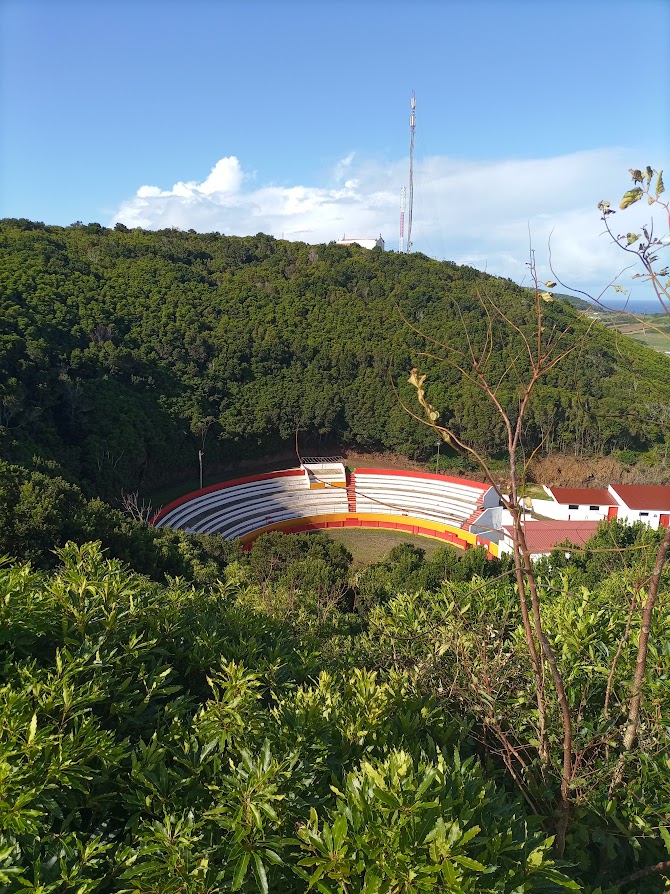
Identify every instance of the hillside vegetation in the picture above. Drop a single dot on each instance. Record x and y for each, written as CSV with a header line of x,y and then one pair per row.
x,y
178,716
259,735
123,350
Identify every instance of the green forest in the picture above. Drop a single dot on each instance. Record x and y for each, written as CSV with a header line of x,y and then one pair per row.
x,y
179,716
122,350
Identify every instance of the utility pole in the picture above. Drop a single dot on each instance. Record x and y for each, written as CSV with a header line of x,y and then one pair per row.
x,y
200,455
412,127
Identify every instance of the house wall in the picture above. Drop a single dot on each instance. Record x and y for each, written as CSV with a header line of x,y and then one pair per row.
x,y
505,545
491,499
653,518
562,512
630,516
488,524
364,243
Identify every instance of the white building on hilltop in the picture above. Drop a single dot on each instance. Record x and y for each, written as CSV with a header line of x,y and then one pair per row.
x,y
364,242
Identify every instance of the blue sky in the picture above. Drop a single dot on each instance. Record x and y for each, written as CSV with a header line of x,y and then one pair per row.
x,y
528,113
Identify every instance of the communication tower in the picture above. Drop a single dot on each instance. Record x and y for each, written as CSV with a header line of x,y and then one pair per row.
x,y
403,196
412,127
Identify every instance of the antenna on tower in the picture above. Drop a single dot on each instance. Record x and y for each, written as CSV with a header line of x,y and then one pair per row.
x,y
403,195
412,127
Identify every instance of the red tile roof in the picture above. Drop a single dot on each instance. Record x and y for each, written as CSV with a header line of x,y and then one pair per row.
x,y
542,536
652,497
582,496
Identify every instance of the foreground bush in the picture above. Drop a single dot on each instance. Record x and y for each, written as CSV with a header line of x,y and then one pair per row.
x,y
166,739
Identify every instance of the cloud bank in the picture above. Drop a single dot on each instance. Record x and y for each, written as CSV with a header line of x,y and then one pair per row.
x,y
485,214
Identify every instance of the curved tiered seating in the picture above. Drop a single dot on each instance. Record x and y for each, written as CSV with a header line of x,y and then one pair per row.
x,y
452,501
240,507
293,500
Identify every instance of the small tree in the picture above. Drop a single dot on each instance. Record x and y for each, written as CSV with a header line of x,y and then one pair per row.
x,y
522,352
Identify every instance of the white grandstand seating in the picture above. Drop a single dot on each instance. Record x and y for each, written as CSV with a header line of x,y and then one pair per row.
x,y
239,509
434,498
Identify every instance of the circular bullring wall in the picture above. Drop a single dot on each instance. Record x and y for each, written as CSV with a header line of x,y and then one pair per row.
x,y
294,501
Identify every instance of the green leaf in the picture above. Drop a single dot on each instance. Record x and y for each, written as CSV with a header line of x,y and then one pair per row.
x,y
559,879
339,831
665,835
546,296
632,237
535,857
468,835
32,729
266,755
240,871
387,798
550,285
269,811
468,863
373,774
448,873
259,872
372,883
631,197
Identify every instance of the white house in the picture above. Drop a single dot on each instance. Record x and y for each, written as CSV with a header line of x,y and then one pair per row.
x,y
365,242
648,503
577,504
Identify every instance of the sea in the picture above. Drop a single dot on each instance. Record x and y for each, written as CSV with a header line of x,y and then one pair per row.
x,y
633,305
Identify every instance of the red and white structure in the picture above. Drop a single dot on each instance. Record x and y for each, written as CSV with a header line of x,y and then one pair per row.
x,y
576,504
648,503
321,494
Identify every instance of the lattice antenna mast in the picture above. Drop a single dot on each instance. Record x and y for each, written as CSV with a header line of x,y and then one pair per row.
x,y
403,197
412,127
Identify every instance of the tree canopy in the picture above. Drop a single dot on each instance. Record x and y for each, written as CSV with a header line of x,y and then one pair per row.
x,y
120,348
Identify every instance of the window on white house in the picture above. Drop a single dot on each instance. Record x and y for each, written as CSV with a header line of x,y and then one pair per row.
x,y
594,507
642,514
573,506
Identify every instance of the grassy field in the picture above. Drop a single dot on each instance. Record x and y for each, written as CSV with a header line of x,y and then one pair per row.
x,y
659,341
652,330
370,546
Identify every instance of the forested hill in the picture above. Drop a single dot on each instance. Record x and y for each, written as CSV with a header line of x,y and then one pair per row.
x,y
119,347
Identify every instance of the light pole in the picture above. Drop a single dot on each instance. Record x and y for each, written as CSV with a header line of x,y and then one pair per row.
x,y
437,466
200,455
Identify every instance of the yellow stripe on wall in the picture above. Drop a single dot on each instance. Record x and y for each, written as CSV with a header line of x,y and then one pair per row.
x,y
383,519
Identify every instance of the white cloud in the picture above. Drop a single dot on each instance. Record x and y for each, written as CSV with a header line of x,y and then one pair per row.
x,y
477,213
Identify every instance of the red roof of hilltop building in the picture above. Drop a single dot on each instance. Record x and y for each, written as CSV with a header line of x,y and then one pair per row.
x,y
542,536
582,496
654,497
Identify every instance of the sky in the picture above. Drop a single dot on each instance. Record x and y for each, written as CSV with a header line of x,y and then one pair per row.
x,y
292,118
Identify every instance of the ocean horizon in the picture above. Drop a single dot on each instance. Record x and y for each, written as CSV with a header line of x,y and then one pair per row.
x,y
632,305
